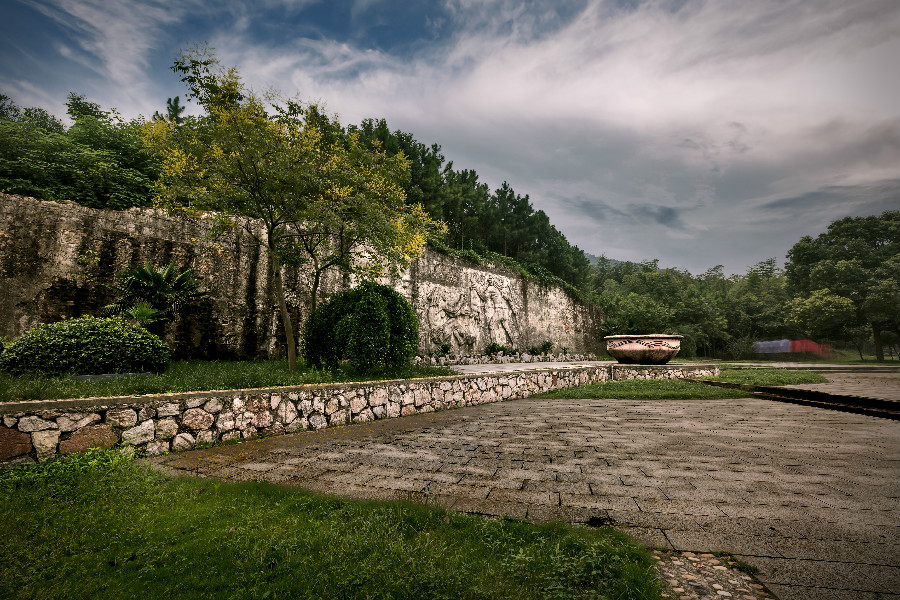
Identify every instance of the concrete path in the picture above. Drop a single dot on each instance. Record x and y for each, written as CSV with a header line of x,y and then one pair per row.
x,y
809,496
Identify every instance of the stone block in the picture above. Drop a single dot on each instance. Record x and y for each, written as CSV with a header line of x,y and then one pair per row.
x,y
166,429
194,402
157,447
262,419
67,422
300,424
169,409
183,441
13,443
364,416
44,443
378,397
338,418
317,421
148,412
357,404
31,423
230,436
225,421
92,436
214,406
286,413
121,417
243,420
141,434
197,418
206,437
9,421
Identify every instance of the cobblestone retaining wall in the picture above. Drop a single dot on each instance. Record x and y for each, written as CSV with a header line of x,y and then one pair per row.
x,y
39,430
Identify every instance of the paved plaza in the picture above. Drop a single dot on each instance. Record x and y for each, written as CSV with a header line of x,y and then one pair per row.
x,y
808,496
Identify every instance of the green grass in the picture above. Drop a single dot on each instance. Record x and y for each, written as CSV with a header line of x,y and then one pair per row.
x,y
644,389
102,526
191,376
768,377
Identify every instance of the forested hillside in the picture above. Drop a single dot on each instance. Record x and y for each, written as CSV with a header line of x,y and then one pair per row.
x,y
478,219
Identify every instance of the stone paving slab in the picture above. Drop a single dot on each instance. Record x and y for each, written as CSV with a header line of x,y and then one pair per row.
x,y
811,497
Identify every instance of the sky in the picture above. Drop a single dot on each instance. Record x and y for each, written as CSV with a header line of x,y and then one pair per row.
x,y
696,132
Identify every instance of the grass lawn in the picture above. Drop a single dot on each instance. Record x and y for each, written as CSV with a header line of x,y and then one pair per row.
x,y
192,376
100,525
644,389
754,377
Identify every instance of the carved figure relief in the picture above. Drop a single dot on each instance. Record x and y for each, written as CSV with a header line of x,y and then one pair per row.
x,y
470,317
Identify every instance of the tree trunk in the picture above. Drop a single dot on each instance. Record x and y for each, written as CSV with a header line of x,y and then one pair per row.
x,y
275,264
317,278
879,346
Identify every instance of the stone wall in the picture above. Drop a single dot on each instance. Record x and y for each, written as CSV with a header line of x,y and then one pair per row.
x,y
56,260
39,430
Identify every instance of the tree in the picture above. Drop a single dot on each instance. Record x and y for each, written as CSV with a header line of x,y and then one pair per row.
x,y
99,162
756,303
173,112
856,259
294,172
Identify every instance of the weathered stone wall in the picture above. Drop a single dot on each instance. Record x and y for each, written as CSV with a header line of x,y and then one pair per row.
x,y
56,260
39,430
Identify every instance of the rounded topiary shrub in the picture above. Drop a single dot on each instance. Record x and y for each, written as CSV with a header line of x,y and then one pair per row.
x,y
371,326
86,346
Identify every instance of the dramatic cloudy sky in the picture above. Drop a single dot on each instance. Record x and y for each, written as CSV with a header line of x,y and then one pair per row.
x,y
697,132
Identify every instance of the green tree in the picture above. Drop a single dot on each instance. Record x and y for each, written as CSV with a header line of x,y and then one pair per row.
x,y
294,172
99,162
174,109
856,259
756,303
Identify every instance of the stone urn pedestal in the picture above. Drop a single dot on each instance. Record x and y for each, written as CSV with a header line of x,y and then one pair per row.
x,y
653,349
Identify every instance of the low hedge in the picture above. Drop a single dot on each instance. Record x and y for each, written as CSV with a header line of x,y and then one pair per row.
x,y
85,346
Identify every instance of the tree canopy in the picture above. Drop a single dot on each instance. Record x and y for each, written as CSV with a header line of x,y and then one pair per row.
x,y
100,161
855,262
320,194
501,222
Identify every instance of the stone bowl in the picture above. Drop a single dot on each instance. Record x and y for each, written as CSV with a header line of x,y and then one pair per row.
x,y
653,349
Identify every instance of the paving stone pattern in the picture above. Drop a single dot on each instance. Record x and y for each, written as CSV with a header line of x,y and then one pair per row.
x,y
881,386
806,495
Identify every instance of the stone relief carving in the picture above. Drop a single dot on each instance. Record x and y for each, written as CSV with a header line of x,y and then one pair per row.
x,y
471,316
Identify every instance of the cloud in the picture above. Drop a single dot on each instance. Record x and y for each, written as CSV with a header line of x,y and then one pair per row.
x,y
840,201
667,121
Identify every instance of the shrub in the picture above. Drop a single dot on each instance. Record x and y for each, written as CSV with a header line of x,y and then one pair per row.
x,y
547,347
371,326
87,345
495,348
